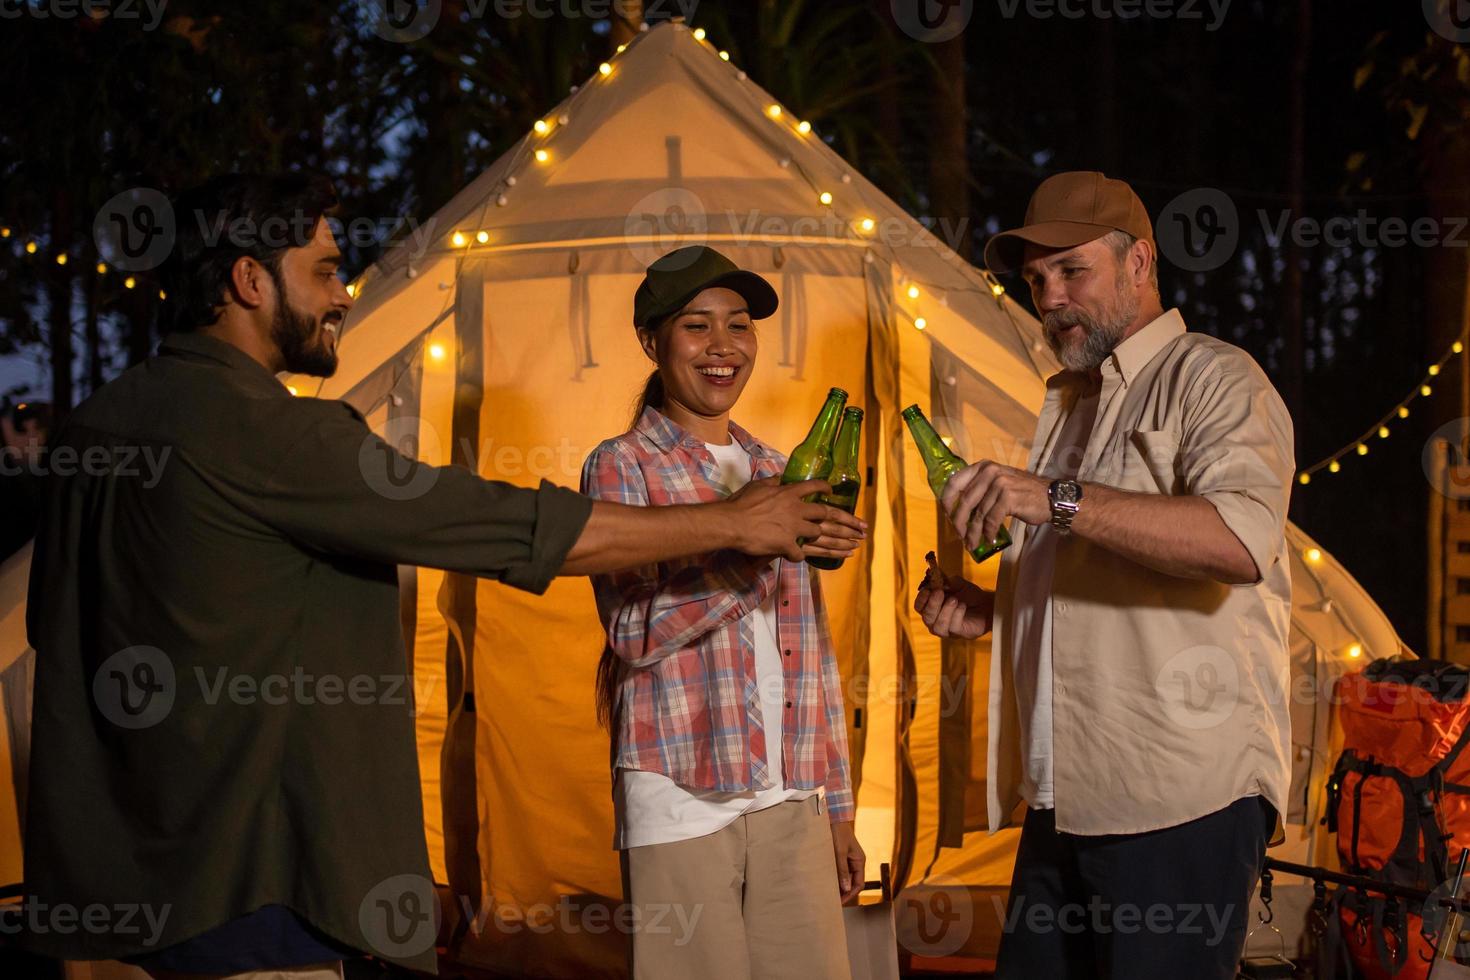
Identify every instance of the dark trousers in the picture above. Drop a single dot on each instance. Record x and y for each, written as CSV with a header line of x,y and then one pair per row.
x,y
1168,903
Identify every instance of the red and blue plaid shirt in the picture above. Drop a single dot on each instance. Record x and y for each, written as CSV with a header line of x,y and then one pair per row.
x,y
687,701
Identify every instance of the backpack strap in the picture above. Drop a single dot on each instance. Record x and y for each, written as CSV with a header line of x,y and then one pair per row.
x,y
1395,923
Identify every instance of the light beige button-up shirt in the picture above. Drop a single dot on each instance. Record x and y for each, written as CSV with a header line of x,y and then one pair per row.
x,y
1169,695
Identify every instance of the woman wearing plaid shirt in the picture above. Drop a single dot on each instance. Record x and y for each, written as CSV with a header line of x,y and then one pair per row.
x,y
718,682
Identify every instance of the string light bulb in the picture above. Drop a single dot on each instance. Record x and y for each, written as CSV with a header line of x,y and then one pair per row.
x,y
291,389
803,127
1457,347
996,289
1334,467
699,34
4,232
101,268
1403,411
724,56
920,323
913,292
1312,555
352,289
774,111
30,248
61,258
1362,449
1355,651
1304,479
436,351
162,295
1433,370
867,225
129,282
482,236
1425,391
458,240
1383,432
825,197
542,127
542,156
604,69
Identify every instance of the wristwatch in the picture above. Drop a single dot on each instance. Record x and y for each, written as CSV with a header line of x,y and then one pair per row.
x,y
1066,500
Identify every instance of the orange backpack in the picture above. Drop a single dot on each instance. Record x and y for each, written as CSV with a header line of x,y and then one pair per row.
x,y
1399,802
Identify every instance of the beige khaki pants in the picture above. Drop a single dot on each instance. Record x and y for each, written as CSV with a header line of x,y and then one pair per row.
x,y
314,971
757,899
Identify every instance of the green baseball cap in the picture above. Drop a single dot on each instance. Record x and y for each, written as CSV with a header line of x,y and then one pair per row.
x,y
676,278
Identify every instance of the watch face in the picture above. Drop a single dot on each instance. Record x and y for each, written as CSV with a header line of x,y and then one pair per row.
x,y
1066,492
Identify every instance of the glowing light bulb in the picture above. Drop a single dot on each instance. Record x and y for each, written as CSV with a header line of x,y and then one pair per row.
x,y
458,240
724,56
482,236
1383,432
542,156
162,295
129,282
1403,412
1304,479
920,322
1355,651
1313,555
1362,449
4,232
774,111
542,127
30,248
61,258
604,69
867,225
1426,391
1457,347
803,127
1433,370
699,34
1334,466
291,389
352,289
996,289
101,268
825,197
913,292
436,351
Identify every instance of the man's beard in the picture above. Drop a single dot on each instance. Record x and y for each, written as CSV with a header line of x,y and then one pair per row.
x,y
303,347
1101,335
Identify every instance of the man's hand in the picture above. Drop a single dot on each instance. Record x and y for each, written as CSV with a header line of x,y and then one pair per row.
x,y
769,518
953,607
850,860
842,534
981,496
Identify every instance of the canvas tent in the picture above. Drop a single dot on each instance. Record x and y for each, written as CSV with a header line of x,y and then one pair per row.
x,y
498,336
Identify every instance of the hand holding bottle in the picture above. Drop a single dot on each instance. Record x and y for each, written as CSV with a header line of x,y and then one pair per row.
x,y
980,497
770,517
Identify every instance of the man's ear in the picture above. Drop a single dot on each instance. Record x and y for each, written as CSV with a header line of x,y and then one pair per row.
x,y
1140,259
250,283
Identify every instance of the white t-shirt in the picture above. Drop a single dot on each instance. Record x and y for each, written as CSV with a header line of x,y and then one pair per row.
x,y
1031,653
649,807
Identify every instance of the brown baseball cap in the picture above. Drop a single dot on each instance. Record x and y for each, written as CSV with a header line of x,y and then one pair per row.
x,y
1069,209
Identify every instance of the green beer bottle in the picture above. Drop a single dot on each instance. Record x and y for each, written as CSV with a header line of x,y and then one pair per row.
x,y
942,464
812,460
846,478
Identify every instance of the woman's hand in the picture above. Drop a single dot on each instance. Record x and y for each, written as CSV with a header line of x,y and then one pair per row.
x,y
850,860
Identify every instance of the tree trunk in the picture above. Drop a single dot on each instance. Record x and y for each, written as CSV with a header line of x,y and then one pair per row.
x,y
59,299
1293,320
949,164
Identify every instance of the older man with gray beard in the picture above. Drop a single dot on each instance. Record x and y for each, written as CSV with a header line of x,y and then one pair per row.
x,y
1139,657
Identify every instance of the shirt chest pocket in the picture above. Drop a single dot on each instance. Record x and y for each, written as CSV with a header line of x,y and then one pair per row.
x,y
1148,462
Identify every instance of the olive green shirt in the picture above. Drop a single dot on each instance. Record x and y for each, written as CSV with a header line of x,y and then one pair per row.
x,y
223,713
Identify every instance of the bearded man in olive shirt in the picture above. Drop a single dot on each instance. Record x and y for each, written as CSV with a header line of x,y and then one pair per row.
x,y
224,776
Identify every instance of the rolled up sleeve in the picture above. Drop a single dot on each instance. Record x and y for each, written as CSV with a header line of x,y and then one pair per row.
x,y
1236,452
342,490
